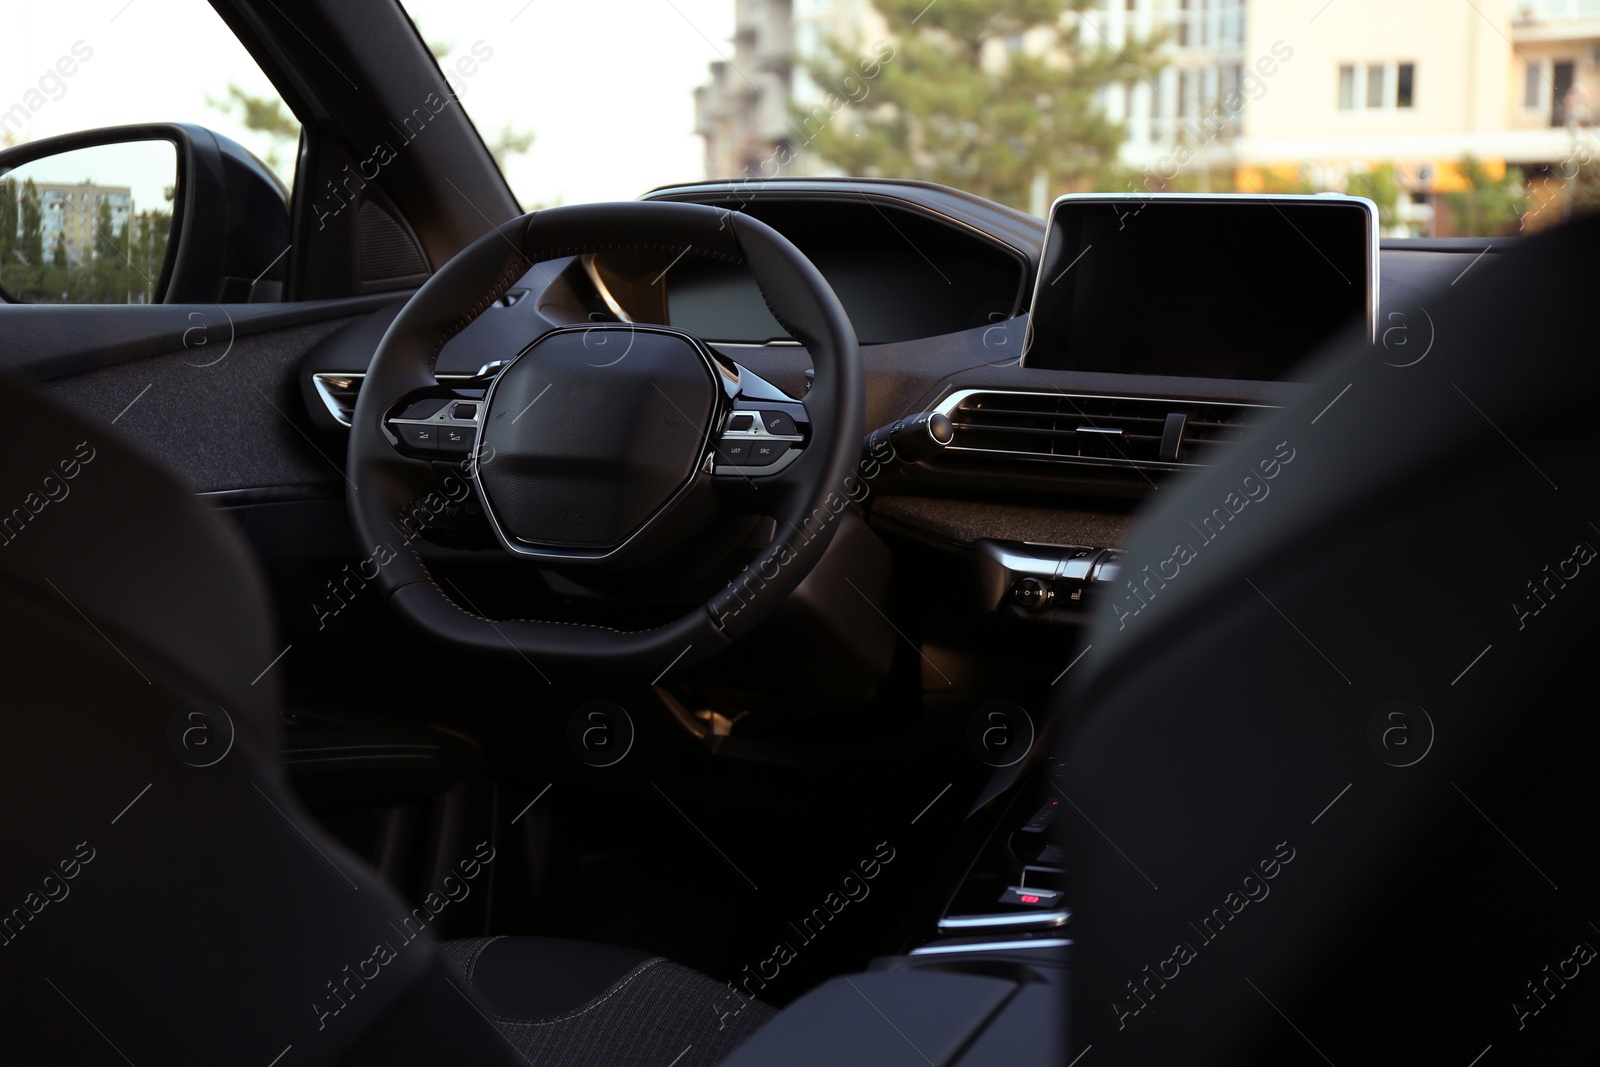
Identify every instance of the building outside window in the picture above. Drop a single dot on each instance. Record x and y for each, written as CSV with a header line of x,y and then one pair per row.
x,y
1381,86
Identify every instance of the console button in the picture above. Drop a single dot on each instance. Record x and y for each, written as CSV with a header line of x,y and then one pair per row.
x,y
779,424
1032,594
766,453
1051,855
1108,566
1032,898
1042,818
419,438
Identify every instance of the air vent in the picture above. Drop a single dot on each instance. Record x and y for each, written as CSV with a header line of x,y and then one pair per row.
x,y
338,393
1095,430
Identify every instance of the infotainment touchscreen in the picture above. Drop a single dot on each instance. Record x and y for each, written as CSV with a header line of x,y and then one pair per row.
x,y
1211,286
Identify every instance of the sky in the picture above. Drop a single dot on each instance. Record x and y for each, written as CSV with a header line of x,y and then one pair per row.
x,y
605,86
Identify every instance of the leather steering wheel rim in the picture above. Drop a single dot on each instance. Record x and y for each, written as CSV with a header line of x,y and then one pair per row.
x,y
805,499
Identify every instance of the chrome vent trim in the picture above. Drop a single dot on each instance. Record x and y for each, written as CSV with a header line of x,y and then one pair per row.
x,y
1095,429
338,389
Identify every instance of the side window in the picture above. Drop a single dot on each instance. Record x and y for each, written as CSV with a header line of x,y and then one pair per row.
x,y
90,224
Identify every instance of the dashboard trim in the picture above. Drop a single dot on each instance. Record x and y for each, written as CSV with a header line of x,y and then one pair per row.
x,y
948,405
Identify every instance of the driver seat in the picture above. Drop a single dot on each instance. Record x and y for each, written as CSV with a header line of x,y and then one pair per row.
x,y
164,892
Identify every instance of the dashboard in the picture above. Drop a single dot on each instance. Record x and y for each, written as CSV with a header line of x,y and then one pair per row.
x,y
938,282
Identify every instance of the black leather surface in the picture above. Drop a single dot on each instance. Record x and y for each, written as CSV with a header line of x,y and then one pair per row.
x,y
1339,719
624,418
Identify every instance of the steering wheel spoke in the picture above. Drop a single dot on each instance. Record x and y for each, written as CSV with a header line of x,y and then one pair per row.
x,y
759,439
442,423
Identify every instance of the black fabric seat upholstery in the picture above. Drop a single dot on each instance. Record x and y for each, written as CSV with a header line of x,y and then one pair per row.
x,y
585,1005
163,897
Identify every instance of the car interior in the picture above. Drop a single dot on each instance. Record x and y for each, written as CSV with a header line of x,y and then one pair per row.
x,y
789,621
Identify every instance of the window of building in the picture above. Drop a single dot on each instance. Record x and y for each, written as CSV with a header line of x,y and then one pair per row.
x,y
1388,86
1232,75
1532,84
1561,82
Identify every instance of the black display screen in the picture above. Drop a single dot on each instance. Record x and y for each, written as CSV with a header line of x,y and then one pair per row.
x,y
901,275
1216,287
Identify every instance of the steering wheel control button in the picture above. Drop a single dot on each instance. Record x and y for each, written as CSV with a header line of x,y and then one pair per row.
x,y
1031,898
465,412
735,452
779,424
743,422
766,453
418,438
456,439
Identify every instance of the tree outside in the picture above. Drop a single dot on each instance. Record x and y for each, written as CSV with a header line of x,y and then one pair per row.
x,y
268,115
1383,187
964,100
1489,205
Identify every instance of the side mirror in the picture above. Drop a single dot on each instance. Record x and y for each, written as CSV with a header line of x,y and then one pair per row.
x,y
156,213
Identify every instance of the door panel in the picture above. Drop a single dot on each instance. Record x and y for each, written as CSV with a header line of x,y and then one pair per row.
x,y
225,415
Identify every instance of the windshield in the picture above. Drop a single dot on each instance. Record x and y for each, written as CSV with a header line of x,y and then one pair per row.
x,y
1456,119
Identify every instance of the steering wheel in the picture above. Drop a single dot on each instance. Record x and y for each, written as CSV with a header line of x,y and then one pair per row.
x,y
597,445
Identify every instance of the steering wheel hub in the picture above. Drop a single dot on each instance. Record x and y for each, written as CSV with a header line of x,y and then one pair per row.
x,y
593,431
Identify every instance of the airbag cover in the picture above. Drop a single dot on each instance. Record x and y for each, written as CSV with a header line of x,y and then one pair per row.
x,y
591,432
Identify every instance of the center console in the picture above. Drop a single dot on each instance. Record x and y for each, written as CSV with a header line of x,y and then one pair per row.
x,y
1046,583
987,988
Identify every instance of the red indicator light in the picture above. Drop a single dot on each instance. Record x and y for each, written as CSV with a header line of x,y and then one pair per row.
x,y
1029,898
